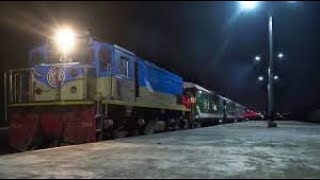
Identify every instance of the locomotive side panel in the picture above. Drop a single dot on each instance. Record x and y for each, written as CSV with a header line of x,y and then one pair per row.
x,y
158,87
123,73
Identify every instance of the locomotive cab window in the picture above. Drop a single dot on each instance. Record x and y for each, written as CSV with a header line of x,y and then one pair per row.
x,y
105,59
124,65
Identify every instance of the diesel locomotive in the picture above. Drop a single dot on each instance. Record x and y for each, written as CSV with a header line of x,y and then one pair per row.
x,y
80,90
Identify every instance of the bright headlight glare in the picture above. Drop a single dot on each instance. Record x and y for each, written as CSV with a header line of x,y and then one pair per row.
x,y
65,39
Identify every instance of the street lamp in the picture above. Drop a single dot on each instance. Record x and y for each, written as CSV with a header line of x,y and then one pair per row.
x,y
248,5
280,55
276,77
257,58
260,78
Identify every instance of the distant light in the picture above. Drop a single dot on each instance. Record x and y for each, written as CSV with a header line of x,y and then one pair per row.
x,y
248,5
276,77
260,78
257,58
280,55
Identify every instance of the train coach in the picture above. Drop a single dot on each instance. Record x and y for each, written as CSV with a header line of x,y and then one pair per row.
x,y
209,108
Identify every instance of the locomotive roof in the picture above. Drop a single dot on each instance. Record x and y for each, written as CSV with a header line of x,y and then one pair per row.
x,y
192,85
123,49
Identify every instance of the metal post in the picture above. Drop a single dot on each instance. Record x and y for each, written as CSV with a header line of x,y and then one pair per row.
x,y
109,70
5,97
270,76
101,121
31,86
20,88
15,88
85,88
10,87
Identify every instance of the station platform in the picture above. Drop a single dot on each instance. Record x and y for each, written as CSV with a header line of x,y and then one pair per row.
x,y
245,150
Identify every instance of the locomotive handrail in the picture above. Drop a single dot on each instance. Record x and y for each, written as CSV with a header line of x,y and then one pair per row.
x,y
16,70
29,69
68,65
5,97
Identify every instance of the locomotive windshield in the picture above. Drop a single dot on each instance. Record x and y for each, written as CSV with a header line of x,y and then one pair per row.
x,y
65,47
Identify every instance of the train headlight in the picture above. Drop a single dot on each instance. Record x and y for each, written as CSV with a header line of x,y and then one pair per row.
x,y
65,39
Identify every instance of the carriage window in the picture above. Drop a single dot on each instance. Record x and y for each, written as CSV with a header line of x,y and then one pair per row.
x,y
214,107
206,105
124,65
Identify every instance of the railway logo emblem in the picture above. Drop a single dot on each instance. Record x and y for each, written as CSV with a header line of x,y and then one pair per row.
x,y
55,77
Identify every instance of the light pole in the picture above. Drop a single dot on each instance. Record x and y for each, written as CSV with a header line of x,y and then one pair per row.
x,y
250,5
271,122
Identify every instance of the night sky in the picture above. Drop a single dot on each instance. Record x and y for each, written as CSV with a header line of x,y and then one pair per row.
x,y
209,43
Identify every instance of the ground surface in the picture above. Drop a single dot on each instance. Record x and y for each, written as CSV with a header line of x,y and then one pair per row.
x,y
241,150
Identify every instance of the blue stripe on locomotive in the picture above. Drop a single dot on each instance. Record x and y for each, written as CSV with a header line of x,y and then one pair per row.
x,y
158,79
